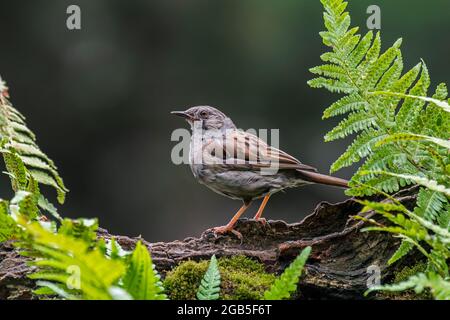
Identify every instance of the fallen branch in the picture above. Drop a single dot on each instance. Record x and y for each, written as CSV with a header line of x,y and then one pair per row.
x,y
339,266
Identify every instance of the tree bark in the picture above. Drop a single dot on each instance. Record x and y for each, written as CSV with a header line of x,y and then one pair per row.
x,y
342,262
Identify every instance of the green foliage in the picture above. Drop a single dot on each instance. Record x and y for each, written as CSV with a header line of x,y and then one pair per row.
x,y
8,227
404,248
286,284
85,229
241,279
408,271
75,266
27,166
23,158
398,129
401,135
440,288
141,279
430,239
210,285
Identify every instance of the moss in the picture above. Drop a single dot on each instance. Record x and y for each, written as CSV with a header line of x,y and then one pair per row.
x,y
242,278
182,282
408,271
403,275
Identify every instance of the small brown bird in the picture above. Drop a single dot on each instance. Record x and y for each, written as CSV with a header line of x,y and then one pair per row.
x,y
238,165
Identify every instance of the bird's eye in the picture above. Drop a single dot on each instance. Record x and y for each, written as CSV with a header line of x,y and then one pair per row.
x,y
203,114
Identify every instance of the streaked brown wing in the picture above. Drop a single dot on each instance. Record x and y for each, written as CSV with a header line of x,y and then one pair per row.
x,y
248,151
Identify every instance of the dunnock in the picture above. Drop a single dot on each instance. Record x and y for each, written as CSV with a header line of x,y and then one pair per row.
x,y
238,165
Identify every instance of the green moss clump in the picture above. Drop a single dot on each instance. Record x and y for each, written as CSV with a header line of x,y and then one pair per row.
x,y
408,271
242,279
182,282
403,275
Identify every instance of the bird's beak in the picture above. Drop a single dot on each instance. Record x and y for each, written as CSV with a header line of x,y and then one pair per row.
x,y
182,114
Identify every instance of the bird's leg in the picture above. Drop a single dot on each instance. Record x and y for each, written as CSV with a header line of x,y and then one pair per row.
x,y
230,225
258,215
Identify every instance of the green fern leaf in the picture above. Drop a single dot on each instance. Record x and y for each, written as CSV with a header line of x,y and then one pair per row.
x,y
404,248
354,123
439,287
429,204
411,108
19,143
210,285
24,203
392,75
141,279
360,148
16,170
70,261
378,68
428,183
85,229
435,121
346,104
286,284
444,218
370,58
8,227
332,85
331,71
360,51
401,137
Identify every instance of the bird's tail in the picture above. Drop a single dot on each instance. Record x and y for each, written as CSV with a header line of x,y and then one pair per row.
x,y
319,178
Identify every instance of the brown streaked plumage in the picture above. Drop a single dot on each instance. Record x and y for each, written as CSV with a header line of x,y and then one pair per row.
x,y
235,163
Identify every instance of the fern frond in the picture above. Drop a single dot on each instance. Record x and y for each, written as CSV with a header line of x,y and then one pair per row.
x,y
444,218
364,182
346,104
439,287
210,285
23,158
8,227
430,184
442,104
402,137
361,49
354,123
360,148
64,259
435,121
388,111
380,66
382,206
404,248
283,286
392,75
141,279
48,288
85,229
331,71
411,108
371,186
332,85
430,204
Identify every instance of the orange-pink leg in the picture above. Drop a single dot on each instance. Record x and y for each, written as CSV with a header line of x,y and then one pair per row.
x,y
230,225
261,209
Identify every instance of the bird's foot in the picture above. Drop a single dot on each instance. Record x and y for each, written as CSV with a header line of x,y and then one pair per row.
x,y
225,229
262,220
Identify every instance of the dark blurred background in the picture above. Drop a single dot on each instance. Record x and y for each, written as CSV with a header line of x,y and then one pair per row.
x,y
99,98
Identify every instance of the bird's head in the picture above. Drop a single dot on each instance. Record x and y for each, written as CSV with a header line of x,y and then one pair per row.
x,y
209,117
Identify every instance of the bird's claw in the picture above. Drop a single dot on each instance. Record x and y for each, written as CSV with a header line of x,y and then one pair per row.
x,y
224,229
262,220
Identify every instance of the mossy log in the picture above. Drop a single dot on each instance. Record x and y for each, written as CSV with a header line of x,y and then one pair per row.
x,y
341,263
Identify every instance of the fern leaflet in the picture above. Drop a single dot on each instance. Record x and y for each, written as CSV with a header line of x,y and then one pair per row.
x,y
210,285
